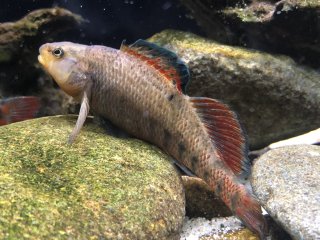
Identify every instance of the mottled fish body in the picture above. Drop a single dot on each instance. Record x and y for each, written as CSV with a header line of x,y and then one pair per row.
x,y
140,89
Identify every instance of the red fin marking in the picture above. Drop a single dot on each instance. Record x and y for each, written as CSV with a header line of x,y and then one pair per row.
x,y
221,122
247,208
4,112
22,108
233,147
169,73
225,132
164,61
230,140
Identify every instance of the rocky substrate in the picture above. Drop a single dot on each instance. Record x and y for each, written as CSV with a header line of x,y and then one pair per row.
x,y
273,96
286,181
105,187
288,27
100,187
20,73
219,228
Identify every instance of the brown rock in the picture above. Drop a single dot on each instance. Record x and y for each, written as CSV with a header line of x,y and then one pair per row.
x,y
100,187
288,27
201,201
19,44
273,96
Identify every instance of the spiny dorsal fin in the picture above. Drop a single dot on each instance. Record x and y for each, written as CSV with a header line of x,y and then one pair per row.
x,y
167,63
225,132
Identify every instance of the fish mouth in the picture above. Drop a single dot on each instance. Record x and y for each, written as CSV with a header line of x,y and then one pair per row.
x,y
40,59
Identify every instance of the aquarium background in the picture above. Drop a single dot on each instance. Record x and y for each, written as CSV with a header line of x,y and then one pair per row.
x,y
113,20
259,57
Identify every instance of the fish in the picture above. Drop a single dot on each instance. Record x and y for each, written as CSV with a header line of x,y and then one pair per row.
x,y
141,88
16,109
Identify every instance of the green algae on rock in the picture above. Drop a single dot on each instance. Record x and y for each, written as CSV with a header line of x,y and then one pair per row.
x,y
100,187
14,35
288,27
273,96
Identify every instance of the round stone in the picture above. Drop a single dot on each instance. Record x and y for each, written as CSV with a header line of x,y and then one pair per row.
x,y
100,187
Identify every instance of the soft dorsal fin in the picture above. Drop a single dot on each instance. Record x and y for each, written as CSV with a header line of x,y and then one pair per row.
x,y
167,63
22,108
225,132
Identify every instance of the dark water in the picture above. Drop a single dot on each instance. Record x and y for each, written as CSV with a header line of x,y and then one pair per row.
x,y
111,21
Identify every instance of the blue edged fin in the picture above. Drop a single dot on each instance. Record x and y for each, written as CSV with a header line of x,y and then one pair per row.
x,y
166,62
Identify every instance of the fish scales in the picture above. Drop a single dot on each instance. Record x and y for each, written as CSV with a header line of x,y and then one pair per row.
x,y
134,101
135,90
175,126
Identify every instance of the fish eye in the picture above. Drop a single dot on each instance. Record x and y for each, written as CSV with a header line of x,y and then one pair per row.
x,y
57,52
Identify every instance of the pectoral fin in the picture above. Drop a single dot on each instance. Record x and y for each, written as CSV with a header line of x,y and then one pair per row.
x,y
84,110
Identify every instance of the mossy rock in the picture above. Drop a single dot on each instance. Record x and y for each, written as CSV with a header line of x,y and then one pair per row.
x,y
289,27
19,47
100,187
274,97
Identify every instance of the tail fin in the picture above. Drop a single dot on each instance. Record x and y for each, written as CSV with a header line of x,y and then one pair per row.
x,y
246,207
239,200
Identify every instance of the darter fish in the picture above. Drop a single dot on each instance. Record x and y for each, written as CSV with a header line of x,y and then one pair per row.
x,y
140,88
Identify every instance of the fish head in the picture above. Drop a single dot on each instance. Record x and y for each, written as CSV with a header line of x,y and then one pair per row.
x,y
64,62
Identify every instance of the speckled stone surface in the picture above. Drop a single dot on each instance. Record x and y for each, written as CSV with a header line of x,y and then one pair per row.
x,y
287,183
100,187
223,228
273,96
201,200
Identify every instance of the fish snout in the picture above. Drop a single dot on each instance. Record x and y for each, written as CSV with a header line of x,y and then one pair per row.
x,y
40,59
43,52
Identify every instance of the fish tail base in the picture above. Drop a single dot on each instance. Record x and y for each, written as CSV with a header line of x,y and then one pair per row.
x,y
247,208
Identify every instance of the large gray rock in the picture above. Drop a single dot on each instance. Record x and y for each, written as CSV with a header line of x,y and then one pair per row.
x,y
274,97
100,187
286,181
